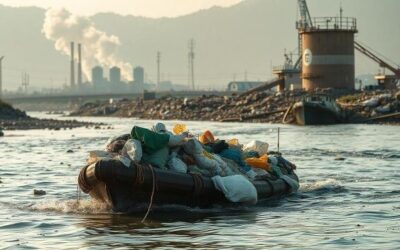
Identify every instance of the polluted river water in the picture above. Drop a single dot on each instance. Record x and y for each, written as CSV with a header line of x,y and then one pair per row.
x,y
349,195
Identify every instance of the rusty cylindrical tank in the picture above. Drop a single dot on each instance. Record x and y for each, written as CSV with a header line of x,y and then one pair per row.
x,y
328,58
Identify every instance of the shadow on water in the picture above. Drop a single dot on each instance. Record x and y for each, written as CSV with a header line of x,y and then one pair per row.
x,y
167,226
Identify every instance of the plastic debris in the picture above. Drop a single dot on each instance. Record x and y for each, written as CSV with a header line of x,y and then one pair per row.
x,y
232,166
133,149
236,188
179,129
39,192
260,147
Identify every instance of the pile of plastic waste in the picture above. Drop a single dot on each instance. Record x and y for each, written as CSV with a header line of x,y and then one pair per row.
x,y
228,162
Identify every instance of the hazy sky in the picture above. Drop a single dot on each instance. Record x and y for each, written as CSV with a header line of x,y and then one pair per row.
x,y
148,8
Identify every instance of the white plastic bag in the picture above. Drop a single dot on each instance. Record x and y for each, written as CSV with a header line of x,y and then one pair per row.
x,y
133,150
236,188
260,147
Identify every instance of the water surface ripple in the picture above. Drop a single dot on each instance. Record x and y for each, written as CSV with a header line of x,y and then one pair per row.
x,y
349,195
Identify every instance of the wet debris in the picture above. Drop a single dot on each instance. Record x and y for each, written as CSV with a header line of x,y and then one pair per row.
x,y
340,158
39,192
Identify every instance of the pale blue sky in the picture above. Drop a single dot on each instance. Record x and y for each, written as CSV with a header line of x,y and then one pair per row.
x,y
148,8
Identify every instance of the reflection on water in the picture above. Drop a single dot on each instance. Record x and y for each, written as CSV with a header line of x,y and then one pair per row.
x,y
352,202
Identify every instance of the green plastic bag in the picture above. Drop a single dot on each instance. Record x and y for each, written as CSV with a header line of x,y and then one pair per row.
x,y
151,141
157,159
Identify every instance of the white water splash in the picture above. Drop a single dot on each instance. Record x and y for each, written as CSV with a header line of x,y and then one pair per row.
x,y
328,184
72,206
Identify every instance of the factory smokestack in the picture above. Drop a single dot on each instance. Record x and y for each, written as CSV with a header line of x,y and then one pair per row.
x,y
62,27
79,64
72,79
1,77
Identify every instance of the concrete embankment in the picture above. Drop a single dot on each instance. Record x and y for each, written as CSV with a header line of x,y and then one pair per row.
x,y
267,107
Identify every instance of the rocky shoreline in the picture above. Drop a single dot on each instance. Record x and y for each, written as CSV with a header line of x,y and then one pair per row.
x,y
15,119
266,107
374,106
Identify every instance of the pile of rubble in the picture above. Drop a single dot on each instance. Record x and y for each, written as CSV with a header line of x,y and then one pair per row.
x,y
15,119
374,105
267,107
255,107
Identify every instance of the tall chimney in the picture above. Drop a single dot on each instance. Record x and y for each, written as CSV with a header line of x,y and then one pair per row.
x,y
79,65
1,77
72,77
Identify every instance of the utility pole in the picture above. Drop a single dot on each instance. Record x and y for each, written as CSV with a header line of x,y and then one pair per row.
x,y
158,68
25,81
191,63
1,77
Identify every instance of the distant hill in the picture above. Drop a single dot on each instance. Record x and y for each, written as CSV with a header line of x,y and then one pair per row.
x,y
250,36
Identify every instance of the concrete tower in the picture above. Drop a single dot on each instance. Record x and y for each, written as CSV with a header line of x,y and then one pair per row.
x,y
1,77
72,76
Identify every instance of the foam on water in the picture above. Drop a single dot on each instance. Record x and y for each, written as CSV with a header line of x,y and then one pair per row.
x,y
89,206
327,184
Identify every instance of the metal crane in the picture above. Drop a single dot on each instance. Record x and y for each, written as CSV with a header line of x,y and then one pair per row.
x,y
377,59
305,17
305,22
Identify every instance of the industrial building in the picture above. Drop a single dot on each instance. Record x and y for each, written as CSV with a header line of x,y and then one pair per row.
x,y
115,75
97,75
138,84
325,54
327,47
291,76
239,86
138,75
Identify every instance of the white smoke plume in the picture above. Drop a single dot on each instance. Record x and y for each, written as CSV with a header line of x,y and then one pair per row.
x,y
98,48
